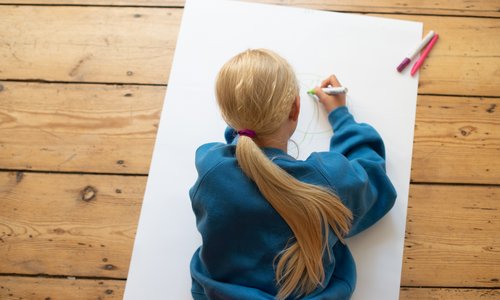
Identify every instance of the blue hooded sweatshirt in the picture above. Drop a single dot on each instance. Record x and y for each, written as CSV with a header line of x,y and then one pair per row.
x,y
242,233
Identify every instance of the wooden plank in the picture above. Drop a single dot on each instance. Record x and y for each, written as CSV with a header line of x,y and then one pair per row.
x,y
45,227
448,294
62,224
88,44
78,127
466,47
452,237
489,8
14,288
457,140
111,129
135,45
39,288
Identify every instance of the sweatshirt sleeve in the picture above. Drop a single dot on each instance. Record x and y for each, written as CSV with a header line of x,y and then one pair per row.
x,y
355,168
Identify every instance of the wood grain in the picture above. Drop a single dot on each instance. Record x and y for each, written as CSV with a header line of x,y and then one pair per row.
x,y
457,140
63,224
85,128
452,232
448,294
112,128
84,224
89,44
452,237
15,288
466,47
447,7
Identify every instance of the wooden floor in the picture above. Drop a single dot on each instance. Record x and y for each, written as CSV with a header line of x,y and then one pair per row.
x,y
81,89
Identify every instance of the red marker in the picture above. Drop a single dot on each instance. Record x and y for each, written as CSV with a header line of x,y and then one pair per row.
x,y
421,60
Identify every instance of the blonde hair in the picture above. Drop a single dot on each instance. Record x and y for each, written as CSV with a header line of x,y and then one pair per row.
x,y
255,90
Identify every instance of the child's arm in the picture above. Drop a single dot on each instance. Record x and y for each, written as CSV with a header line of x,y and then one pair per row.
x,y
358,174
364,185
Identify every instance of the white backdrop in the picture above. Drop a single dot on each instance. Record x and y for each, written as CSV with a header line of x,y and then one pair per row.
x,y
362,51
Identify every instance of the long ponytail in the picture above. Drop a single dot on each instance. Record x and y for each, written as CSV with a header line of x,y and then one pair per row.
x,y
255,90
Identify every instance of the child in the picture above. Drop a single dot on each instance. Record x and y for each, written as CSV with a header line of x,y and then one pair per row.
x,y
273,227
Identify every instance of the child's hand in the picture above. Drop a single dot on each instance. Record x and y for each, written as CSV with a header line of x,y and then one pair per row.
x,y
330,102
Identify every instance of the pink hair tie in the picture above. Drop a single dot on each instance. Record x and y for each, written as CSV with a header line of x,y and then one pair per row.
x,y
247,132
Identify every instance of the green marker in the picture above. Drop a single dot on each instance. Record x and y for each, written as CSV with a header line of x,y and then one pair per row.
x,y
330,90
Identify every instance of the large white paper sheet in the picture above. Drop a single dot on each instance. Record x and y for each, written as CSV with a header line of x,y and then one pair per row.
x,y
362,51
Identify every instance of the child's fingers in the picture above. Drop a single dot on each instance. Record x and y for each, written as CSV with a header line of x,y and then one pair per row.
x,y
326,100
320,94
332,80
325,83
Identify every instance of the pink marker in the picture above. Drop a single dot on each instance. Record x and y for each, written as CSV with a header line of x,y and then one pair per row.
x,y
414,53
421,60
